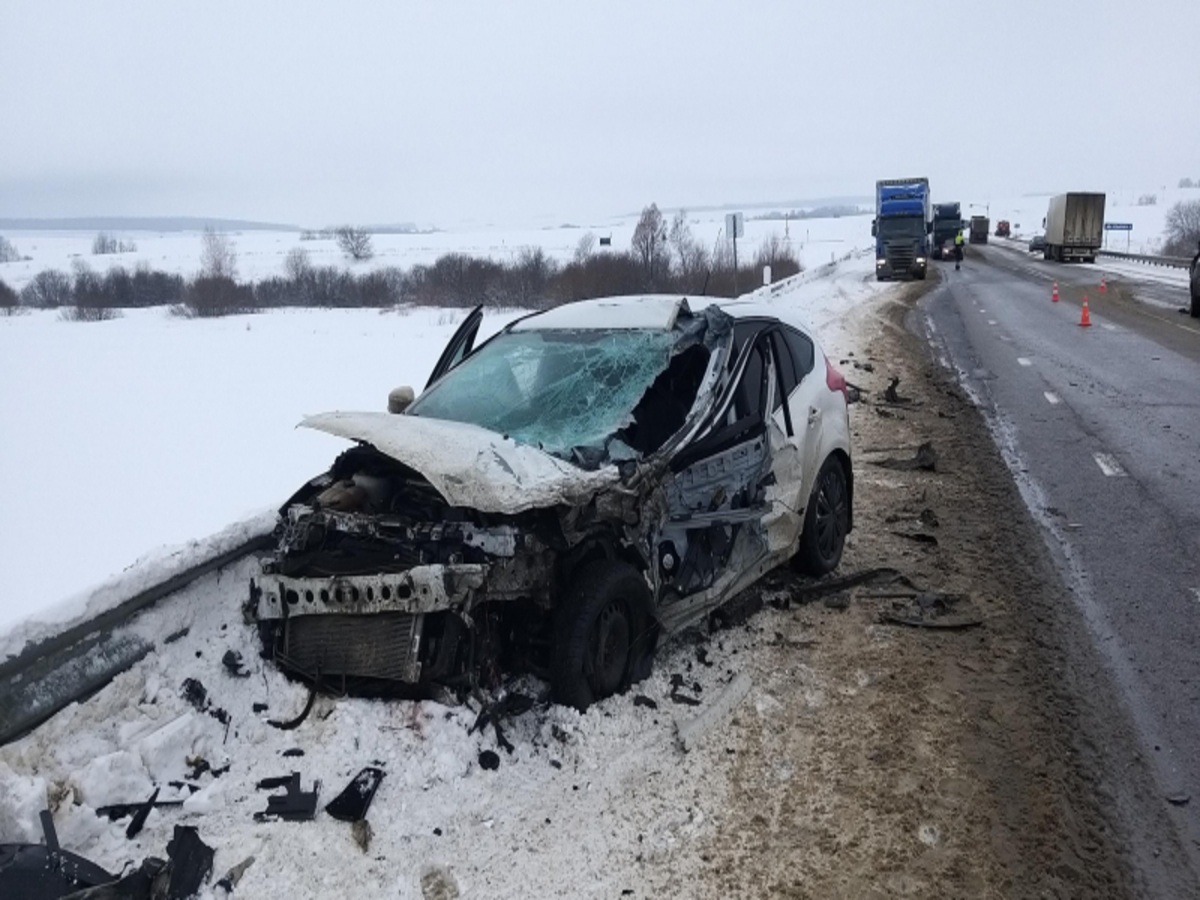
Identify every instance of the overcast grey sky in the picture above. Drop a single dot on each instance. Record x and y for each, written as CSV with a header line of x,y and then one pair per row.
x,y
314,113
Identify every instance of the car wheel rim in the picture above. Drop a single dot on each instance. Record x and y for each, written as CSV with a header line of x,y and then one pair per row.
x,y
608,650
831,516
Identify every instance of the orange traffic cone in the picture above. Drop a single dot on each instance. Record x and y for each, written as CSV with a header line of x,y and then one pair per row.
x,y
1054,296
1103,288
1085,319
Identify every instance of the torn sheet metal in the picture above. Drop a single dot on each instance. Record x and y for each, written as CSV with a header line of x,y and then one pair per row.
x,y
468,465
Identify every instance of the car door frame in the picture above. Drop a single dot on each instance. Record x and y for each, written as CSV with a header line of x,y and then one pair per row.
x,y
460,345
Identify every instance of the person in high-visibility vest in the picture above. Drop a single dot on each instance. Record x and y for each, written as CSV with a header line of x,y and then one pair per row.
x,y
958,250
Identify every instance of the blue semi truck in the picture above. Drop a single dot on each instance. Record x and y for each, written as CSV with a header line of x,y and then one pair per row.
x,y
903,223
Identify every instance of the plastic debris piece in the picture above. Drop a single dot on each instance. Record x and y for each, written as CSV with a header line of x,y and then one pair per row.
x,y
229,880
190,861
294,806
139,817
352,803
489,759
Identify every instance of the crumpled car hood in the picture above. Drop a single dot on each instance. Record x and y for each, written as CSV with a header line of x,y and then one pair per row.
x,y
468,465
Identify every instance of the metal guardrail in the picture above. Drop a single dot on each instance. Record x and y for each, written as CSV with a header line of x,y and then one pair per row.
x,y
51,674
1171,262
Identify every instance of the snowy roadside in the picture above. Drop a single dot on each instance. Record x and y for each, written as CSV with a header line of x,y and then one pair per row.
x,y
584,805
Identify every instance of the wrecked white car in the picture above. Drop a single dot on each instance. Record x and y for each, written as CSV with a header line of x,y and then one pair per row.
x,y
559,499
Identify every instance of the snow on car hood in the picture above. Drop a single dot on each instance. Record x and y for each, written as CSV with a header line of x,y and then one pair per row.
x,y
468,465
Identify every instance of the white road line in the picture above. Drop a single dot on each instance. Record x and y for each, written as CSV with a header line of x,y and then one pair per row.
x,y
991,321
1108,465
1109,326
1052,398
1023,361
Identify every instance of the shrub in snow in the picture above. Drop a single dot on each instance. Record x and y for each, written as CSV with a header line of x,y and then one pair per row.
x,y
8,253
8,299
48,290
217,295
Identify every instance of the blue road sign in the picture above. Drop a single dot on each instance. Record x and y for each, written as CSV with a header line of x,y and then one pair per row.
x,y
1118,226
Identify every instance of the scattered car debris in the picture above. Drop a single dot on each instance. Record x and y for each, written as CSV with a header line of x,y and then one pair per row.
x,y
177,635
352,803
643,700
928,518
139,817
683,699
259,707
196,694
1179,798
147,882
46,870
925,460
362,833
690,732
190,863
234,664
918,536
116,811
293,751
837,601
293,724
294,805
930,610
702,656
229,880
891,395
489,759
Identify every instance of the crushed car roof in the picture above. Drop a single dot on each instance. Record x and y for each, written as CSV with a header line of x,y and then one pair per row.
x,y
653,311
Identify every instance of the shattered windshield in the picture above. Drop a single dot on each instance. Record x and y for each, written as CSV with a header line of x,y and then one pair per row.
x,y
557,390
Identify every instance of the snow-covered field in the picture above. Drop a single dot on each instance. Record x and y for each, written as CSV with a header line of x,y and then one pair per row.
x,y
261,254
595,805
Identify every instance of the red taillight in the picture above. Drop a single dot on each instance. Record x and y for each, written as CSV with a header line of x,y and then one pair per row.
x,y
835,381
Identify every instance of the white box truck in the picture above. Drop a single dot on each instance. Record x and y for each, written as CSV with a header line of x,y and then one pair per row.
x,y
1074,227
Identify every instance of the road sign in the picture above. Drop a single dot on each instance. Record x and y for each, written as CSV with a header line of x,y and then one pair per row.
x,y
735,225
1118,226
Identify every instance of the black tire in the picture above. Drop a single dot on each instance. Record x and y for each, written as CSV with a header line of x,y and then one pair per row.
x,y
600,633
826,521
921,275
1196,306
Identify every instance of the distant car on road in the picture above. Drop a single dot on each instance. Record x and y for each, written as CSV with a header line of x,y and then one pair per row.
x,y
1003,228
1037,244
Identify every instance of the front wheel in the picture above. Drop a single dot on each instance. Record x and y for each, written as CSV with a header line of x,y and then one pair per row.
x,y
601,633
826,521
1196,306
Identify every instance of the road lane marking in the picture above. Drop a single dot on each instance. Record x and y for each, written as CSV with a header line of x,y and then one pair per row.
x,y
1023,361
991,321
1109,326
1108,465
1052,398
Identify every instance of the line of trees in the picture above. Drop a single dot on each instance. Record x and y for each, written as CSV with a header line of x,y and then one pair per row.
x,y
663,257
107,243
1182,228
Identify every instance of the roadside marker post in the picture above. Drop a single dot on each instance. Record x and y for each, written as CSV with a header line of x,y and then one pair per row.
x,y
1054,295
1103,286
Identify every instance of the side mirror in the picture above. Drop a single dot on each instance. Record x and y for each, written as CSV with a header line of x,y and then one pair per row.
x,y
873,228
400,398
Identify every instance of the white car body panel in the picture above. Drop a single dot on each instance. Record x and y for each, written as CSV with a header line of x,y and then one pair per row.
x,y
468,465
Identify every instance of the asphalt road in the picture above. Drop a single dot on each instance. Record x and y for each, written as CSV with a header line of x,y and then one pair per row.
x,y
1100,427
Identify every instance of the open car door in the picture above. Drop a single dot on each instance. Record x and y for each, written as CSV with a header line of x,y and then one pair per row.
x,y
460,346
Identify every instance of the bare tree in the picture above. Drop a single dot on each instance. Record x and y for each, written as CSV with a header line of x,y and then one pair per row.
x,y
48,289
682,243
8,300
1186,183
650,244
585,247
8,253
218,255
297,264
104,243
355,242
1183,228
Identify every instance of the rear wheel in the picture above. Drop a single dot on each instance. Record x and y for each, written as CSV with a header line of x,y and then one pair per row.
x,y
601,631
1196,306
826,521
